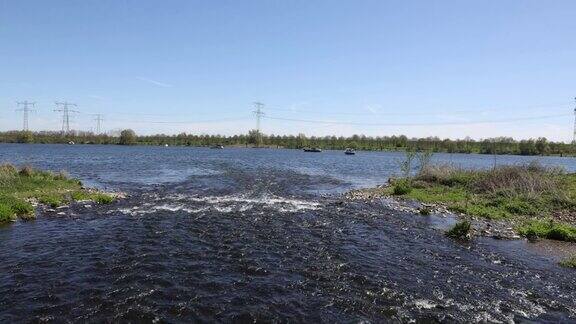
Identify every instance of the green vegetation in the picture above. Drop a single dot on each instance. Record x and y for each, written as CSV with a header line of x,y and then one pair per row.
x,y
425,211
127,137
548,229
461,230
501,145
569,262
401,187
21,188
532,196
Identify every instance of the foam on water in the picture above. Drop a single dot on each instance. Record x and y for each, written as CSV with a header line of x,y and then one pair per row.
x,y
222,204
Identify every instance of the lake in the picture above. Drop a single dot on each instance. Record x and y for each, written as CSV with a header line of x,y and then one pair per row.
x,y
260,235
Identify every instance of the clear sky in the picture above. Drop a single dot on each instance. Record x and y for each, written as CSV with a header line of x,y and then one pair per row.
x,y
420,68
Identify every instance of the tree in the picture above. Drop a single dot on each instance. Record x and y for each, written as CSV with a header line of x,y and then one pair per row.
x,y
254,137
127,137
542,146
26,137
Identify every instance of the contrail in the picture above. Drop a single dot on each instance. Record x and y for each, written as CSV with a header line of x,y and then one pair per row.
x,y
154,82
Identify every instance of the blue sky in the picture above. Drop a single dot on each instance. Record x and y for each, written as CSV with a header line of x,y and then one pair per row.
x,y
419,68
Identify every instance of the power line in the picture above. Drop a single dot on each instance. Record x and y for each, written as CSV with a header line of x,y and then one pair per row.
x,y
181,122
66,111
25,110
403,113
418,124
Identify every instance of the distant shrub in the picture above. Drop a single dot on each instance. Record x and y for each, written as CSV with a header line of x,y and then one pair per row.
x,y
7,173
26,171
532,180
401,187
8,169
461,231
446,174
62,175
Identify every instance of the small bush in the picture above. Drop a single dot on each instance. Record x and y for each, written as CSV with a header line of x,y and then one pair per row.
x,y
62,175
401,187
446,174
530,180
460,231
7,174
8,169
26,171
425,211
569,262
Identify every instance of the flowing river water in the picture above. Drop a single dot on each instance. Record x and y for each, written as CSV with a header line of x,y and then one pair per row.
x,y
261,235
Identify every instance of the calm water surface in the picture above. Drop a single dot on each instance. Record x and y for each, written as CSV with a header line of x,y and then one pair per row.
x,y
260,235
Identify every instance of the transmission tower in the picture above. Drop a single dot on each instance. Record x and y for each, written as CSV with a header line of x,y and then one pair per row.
x,y
26,111
259,113
99,118
574,135
64,108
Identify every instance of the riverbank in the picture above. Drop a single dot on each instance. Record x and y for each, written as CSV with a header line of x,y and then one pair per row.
x,y
22,190
499,146
504,202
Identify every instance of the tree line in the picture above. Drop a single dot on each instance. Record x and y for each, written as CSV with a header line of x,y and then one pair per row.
x,y
499,145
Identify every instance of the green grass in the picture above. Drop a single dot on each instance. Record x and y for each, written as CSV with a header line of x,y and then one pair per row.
x,y
569,262
530,195
101,198
548,229
20,187
6,214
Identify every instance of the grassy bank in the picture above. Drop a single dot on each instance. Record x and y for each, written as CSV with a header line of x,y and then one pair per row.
x,y
540,201
21,189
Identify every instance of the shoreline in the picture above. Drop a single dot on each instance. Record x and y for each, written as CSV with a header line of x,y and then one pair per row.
x,y
496,229
277,147
25,190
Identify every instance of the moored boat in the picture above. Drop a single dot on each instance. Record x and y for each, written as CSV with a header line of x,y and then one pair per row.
x,y
349,151
312,149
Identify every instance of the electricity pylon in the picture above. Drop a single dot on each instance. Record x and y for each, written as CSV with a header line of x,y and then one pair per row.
x,y
25,111
66,111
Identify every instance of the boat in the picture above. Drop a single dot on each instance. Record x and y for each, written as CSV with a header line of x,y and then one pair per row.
x,y
71,143
349,151
219,147
312,149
